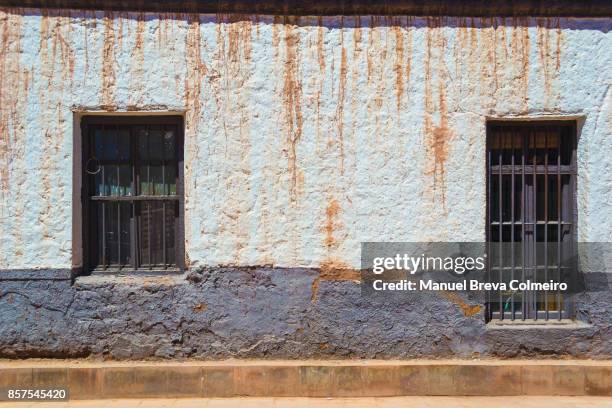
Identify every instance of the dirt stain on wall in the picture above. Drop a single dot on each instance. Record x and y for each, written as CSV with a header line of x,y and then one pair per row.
x,y
321,76
438,135
333,270
467,309
232,99
196,73
339,119
12,92
232,61
108,63
520,46
292,100
398,65
549,57
331,213
137,62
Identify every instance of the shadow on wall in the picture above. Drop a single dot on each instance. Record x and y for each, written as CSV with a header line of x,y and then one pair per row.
x,y
603,25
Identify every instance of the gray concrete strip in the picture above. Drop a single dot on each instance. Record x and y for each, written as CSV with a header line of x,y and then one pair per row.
x,y
93,363
313,379
394,402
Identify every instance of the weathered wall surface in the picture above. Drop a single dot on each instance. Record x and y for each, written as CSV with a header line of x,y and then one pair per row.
x,y
304,137
270,313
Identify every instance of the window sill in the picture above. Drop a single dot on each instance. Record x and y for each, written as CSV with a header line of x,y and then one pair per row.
x,y
174,277
537,324
137,272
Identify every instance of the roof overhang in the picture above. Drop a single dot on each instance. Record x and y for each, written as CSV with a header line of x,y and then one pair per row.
x,y
467,8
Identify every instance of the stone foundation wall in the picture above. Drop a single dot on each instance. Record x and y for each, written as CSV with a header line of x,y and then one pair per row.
x,y
270,313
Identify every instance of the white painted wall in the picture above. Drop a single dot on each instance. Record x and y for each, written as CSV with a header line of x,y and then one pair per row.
x,y
304,137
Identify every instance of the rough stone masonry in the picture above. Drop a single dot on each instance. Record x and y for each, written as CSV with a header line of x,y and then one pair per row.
x,y
304,136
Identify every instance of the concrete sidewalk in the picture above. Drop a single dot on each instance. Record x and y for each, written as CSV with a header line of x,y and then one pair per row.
x,y
310,378
391,402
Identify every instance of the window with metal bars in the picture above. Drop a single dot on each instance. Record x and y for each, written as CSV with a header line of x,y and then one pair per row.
x,y
531,219
133,193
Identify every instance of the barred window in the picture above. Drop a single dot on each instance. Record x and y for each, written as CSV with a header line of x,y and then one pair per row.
x,y
133,185
531,220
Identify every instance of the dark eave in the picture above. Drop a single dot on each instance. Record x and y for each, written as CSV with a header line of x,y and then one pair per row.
x,y
475,8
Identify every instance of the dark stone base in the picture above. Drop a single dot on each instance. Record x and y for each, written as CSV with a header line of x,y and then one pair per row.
x,y
270,313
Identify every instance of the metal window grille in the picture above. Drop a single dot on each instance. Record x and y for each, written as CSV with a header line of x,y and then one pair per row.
x,y
134,195
531,182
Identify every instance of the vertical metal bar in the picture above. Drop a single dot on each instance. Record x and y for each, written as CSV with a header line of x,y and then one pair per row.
x,y
103,179
149,192
535,221
546,221
573,215
489,219
559,220
524,141
119,233
164,232
149,219
501,218
103,203
134,186
118,143
512,187
104,235
163,156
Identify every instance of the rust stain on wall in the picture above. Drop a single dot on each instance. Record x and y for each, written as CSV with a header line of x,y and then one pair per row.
x,y
377,50
239,36
12,95
341,97
355,76
276,24
232,60
438,135
321,43
200,307
108,63
409,40
292,99
314,289
163,29
137,62
333,270
196,72
398,65
331,213
520,44
54,49
467,309
488,61
321,76
61,30
549,57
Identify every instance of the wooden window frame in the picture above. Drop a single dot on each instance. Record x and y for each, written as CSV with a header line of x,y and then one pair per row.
x,y
89,256
529,309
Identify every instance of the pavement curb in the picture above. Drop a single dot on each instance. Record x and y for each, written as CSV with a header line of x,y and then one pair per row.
x,y
312,379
